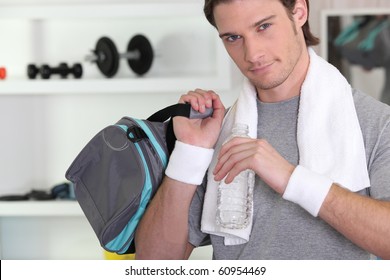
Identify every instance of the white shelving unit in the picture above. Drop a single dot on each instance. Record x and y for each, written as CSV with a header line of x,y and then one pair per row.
x,y
50,131
41,19
100,86
46,230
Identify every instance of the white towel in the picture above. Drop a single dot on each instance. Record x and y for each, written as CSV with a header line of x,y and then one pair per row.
x,y
329,137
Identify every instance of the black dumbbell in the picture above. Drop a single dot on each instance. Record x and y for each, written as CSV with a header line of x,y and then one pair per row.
x,y
32,71
63,69
139,55
46,71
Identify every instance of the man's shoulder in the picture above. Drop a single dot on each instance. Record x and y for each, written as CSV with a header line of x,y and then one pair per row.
x,y
370,111
374,120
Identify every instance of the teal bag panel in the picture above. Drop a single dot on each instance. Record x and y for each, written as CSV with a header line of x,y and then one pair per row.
x,y
122,241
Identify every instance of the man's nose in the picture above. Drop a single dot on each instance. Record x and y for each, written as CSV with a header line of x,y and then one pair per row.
x,y
253,50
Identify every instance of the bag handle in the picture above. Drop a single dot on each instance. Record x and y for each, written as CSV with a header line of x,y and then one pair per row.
x,y
180,109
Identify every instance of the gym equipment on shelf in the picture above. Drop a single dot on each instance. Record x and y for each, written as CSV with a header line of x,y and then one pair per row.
x,y
139,55
105,55
46,71
32,71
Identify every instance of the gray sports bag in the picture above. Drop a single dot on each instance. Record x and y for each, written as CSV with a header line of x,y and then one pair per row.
x,y
117,173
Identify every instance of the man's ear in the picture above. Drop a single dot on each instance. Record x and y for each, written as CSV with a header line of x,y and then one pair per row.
x,y
300,12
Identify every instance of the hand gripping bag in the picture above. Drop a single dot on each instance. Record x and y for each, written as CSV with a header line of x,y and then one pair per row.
x,y
120,169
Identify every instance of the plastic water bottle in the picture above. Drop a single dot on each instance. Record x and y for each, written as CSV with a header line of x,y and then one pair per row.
x,y
235,200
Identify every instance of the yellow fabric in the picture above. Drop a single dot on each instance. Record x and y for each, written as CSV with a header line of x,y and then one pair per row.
x,y
114,256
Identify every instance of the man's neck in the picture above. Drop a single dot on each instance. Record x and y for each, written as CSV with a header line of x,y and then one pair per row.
x,y
291,87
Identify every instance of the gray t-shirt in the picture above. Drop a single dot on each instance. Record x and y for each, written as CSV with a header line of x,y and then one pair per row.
x,y
282,229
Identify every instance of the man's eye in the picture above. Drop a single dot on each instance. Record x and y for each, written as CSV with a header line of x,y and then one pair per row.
x,y
233,38
264,26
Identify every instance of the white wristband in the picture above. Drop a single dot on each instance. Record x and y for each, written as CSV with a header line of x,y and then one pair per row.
x,y
188,163
308,189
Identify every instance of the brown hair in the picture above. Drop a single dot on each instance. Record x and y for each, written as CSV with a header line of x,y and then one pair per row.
x,y
310,39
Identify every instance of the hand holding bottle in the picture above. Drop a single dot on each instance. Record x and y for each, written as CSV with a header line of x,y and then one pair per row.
x,y
256,154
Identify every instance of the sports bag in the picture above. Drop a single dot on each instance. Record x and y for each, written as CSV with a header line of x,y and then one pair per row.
x,y
120,169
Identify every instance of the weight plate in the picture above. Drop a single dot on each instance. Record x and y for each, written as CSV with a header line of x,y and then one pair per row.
x,y
77,70
140,43
108,62
32,71
45,71
63,70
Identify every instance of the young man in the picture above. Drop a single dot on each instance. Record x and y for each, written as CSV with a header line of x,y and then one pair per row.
x,y
320,151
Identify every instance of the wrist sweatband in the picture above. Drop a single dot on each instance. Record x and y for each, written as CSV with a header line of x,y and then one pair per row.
x,y
188,163
308,189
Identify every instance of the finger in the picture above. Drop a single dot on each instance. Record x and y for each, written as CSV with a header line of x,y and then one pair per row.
x,y
219,108
191,99
234,142
224,166
231,160
235,169
207,99
230,151
225,153
199,99
208,96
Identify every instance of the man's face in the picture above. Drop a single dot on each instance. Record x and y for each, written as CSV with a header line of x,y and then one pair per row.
x,y
262,40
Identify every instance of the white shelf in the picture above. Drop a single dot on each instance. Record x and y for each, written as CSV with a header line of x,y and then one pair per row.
x,y
40,209
104,86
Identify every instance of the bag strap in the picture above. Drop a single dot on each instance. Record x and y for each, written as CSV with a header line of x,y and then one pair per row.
x,y
180,109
